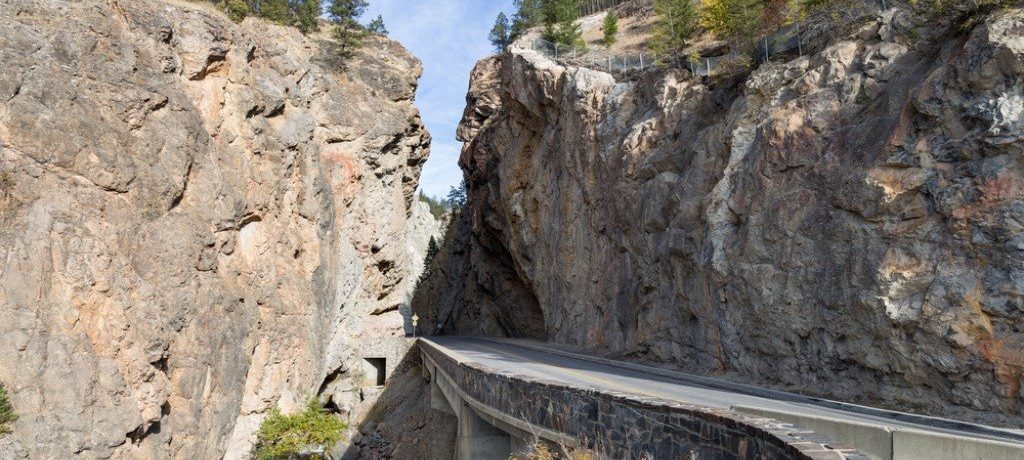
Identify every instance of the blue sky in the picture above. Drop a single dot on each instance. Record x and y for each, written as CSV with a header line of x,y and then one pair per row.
x,y
449,36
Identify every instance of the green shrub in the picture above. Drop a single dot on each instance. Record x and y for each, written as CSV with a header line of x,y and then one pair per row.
x,y
560,25
286,436
676,22
301,14
237,10
611,28
7,415
732,19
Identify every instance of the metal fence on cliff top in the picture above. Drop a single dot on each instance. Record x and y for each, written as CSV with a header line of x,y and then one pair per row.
x,y
792,38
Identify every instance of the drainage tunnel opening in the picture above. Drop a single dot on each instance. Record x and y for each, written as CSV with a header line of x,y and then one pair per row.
x,y
376,371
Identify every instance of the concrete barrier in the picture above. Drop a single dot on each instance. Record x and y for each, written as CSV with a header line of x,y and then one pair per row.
x,y
873,440
884,442
914,444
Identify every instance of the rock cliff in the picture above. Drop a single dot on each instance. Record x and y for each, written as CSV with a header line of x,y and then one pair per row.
x,y
846,223
199,220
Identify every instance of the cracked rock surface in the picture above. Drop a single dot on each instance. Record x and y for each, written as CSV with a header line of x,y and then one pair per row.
x,y
846,223
199,220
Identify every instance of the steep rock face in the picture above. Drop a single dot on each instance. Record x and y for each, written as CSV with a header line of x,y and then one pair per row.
x,y
199,220
845,223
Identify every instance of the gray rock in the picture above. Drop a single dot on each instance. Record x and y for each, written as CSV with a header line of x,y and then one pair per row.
x,y
784,232
187,222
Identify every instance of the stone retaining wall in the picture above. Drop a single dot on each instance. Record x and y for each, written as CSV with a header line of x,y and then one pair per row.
x,y
623,426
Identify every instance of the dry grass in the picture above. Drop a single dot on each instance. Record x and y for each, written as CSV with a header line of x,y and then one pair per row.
x,y
634,32
6,181
541,450
199,5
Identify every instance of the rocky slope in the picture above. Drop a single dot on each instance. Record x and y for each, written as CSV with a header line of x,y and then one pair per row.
x,y
199,220
846,223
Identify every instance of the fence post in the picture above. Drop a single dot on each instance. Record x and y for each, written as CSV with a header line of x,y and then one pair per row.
x,y
766,52
641,60
708,61
609,64
799,40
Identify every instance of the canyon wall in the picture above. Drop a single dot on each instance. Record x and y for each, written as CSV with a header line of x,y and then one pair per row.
x,y
199,221
846,223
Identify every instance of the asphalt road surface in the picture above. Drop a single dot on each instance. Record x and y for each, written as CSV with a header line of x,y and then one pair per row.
x,y
525,359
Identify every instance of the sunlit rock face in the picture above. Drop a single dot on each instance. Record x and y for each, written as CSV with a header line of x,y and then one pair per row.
x,y
846,223
199,220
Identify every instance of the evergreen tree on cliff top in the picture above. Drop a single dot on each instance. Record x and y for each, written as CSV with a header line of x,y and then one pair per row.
x,y
528,14
457,196
273,10
301,14
307,13
347,31
377,26
676,21
732,19
560,21
501,34
610,27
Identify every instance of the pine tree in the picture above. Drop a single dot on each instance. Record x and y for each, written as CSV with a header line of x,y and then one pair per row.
x,y
560,21
732,18
457,196
377,26
307,14
611,27
528,14
274,10
500,33
347,31
676,21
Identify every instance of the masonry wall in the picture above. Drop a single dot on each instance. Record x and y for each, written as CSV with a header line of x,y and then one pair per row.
x,y
623,426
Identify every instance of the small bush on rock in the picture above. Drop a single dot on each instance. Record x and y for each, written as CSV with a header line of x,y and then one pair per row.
x,y
7,415
311,433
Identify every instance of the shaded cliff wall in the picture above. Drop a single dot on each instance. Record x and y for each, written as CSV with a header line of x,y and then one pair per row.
x,y
199,220
845,223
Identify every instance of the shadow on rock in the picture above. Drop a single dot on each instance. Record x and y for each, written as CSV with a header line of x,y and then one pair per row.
x,y
400,424
471,286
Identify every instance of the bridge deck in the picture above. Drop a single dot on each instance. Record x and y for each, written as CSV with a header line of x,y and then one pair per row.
x,y
507,356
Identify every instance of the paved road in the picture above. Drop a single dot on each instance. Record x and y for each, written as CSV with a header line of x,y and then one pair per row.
x,y
525,359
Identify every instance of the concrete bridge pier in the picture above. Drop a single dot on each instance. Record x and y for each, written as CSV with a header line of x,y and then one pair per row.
x,y
477,438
